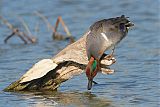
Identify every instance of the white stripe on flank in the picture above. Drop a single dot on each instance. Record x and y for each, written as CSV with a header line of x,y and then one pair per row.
x,y
104,36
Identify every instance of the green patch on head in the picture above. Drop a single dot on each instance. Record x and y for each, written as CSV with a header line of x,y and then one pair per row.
x,y
94,65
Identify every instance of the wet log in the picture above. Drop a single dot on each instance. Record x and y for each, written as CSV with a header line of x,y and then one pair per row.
x,y
48,74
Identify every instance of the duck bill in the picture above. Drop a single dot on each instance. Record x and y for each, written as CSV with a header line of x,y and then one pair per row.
x,y
90,84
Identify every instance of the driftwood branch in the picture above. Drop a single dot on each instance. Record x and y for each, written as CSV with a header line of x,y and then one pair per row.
x,y
32,39
60,20
56,35
49,26
16,31
10,26
48,74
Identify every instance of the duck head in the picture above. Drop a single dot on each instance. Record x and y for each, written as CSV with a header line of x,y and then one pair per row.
x,y
91,71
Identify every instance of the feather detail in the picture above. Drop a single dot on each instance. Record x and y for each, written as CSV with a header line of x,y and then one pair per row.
x,y
94,65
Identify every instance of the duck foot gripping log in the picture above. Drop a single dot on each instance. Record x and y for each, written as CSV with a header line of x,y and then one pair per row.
x,y
48,74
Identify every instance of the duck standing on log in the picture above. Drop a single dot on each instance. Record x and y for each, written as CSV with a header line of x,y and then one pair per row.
x,y
103,35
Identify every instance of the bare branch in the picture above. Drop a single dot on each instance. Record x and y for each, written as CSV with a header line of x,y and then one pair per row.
x,y
36,29
20,34
31,39
49,26
10,26
15,31
57,35
8,37
25,25
64,26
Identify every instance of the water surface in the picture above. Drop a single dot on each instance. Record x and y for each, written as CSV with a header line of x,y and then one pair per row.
x,y
136,80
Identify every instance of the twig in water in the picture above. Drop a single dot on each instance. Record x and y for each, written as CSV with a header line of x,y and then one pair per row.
x,y
59,19
49,26
32,39
56,35
15,31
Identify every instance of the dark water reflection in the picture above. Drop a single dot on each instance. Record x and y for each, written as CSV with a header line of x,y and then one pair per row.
x,y
136,80
50,99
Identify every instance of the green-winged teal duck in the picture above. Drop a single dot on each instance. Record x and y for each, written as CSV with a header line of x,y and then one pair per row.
x,y
103,35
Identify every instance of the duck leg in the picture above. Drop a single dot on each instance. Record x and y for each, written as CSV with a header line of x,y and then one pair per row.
x,y
109,57
94,82
112,51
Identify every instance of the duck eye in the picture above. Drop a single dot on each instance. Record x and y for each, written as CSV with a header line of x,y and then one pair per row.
x,y
122,26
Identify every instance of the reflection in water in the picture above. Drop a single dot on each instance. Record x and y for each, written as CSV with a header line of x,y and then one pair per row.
x,y
47,99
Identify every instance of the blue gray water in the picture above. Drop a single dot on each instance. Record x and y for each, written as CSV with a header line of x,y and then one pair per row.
x,y
137,78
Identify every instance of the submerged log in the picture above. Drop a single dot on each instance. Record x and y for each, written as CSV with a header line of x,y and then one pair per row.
x,y
48,74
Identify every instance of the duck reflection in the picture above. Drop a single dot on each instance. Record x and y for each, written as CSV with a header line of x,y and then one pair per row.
x,y
67,99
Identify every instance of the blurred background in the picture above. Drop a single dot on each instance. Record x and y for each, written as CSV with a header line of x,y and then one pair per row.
x,y
136,80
